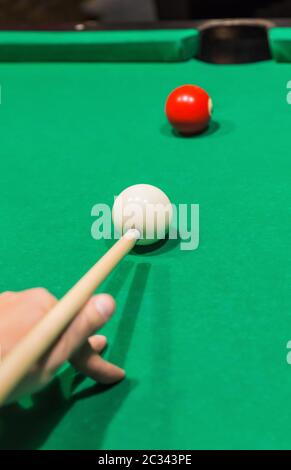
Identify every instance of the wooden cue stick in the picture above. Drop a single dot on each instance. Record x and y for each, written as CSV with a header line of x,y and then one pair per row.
x,y
18,362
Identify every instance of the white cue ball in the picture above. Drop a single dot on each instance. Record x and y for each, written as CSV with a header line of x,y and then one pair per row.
x,y
143,207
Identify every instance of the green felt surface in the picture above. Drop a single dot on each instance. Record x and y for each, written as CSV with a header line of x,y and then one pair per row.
x,y
280,43
202,334
148,45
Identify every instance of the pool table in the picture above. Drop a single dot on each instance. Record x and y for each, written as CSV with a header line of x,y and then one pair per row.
x,y
201,333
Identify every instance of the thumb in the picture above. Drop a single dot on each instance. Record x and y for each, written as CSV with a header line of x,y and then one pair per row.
x,y
98,311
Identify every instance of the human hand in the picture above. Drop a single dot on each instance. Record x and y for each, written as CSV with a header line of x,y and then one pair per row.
x,y
20,311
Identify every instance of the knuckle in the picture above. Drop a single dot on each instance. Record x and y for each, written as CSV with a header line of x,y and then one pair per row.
x,y
7,294
41,291
41,296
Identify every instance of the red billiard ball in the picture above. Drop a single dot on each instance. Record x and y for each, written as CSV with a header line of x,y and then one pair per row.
x,y
188,109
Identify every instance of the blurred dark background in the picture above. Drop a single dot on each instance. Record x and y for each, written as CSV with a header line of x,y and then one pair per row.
x,y
44,12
